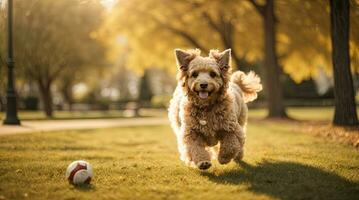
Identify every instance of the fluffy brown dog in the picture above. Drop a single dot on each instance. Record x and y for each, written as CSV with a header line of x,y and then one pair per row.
x,y
209,107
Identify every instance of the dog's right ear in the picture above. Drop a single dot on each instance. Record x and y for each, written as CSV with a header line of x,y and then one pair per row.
x,y
184,58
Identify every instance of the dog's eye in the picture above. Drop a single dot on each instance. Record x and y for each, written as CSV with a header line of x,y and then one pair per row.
x,y
194,74
213,74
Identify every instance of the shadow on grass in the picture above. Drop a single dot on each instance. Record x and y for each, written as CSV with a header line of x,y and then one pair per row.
x,y
289,180
85,187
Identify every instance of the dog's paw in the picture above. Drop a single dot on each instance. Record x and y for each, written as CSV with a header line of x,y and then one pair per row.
x,y
203,165
224,160
239,157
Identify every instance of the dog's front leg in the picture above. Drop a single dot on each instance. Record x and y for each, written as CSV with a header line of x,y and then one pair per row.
x,y
196,152
230,145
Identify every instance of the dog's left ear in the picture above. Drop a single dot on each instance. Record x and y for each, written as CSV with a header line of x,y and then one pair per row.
x,y
223,58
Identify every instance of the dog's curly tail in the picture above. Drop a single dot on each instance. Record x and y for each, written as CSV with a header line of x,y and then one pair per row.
x,y
250,84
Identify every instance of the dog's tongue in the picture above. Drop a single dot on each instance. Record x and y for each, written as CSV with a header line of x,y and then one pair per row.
x,y
203,94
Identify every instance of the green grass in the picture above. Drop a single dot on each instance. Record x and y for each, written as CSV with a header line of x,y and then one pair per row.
x,y
142,163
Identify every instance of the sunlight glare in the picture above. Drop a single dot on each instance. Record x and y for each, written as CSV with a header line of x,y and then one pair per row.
x,y
109,3
2,4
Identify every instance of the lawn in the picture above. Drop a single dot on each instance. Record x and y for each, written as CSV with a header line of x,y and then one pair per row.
x,y
142,163
92,114
300,113
40,115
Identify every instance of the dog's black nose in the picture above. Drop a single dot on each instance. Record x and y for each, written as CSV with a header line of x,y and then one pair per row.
x,y
203,85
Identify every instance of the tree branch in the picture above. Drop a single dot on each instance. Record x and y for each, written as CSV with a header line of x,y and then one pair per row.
x,y
185,35
260,8
205,15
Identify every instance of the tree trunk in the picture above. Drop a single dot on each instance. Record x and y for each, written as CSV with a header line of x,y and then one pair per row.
x,y
46,97
226,33
1,104
272,71
345,109
241,63
67,93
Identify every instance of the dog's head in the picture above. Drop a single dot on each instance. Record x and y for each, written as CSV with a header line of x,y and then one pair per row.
x,y
204,79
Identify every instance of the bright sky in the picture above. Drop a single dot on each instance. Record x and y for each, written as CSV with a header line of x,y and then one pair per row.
x,y
107,3
2,4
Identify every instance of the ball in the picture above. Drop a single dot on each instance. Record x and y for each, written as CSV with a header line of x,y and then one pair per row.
x,y
79,172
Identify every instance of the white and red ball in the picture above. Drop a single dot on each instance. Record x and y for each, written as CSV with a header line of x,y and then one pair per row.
x,y
79,172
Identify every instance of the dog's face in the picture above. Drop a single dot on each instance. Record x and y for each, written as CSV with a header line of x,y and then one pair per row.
x,y
203,77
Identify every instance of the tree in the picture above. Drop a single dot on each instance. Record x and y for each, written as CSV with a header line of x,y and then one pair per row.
x,y
82,70
145,90
119,76
2,81
53,37
65,86
2,60
345,109
304,38
274,89
292,36
224,23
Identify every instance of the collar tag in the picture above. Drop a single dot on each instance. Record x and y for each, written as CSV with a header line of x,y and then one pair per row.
x,y
203,122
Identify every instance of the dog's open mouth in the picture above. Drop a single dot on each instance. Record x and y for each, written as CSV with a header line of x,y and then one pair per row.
x,y
204,94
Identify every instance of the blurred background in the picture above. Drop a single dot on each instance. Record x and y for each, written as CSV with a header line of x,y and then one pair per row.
x,y
115,57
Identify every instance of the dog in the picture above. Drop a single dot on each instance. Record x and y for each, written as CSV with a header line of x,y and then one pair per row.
x,y
208,107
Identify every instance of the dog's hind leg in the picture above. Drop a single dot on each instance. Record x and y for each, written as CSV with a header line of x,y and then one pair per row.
x,y
196,151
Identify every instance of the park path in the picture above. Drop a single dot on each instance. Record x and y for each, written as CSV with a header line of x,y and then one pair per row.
x,y
30,126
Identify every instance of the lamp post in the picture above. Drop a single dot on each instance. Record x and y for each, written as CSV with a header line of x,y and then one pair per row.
x,y
11,105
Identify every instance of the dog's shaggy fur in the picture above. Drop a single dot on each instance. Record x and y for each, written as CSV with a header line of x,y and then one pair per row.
x,y
209,107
